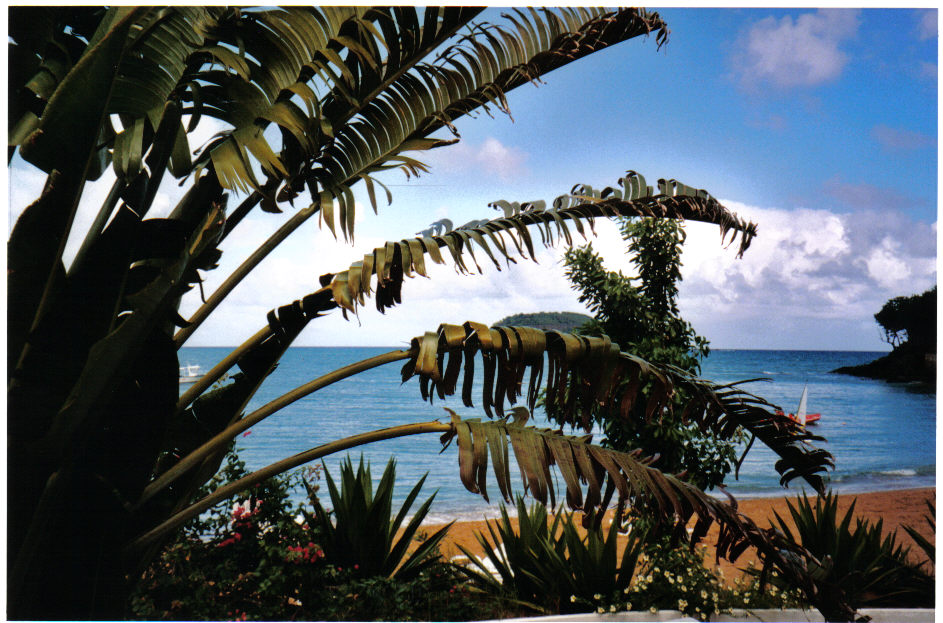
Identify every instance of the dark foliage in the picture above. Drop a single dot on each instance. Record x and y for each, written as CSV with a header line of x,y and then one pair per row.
x,y
909,325
910,319
546,321
857,559
641,315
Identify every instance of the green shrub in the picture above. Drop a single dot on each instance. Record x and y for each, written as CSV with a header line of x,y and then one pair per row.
x,y
254,560
548,566
870,568
363,533
242,559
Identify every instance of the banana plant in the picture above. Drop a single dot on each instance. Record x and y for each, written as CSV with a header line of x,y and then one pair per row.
x,y
105,459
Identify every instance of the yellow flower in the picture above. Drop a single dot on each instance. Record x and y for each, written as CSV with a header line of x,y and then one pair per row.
x,y
612,608
703,594
573,599
653,610
628,606
597,596
682,604
600,610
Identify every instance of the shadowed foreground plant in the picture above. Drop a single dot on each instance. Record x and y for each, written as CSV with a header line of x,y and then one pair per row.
x,y
364,536
857,559
303,103
552,566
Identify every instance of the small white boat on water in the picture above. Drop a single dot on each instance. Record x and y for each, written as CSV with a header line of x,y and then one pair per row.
x,y
190,374
800,415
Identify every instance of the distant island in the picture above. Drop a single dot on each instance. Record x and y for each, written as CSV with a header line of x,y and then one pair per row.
x,y
547,321
909,325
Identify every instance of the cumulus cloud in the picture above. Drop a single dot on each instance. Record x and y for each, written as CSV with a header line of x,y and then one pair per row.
x,y
807,269
491,157
797,52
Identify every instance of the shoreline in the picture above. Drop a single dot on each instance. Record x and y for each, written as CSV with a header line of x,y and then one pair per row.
x,y
440,518
895,507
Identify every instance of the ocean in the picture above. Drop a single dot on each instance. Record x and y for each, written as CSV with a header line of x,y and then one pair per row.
x,y
882,435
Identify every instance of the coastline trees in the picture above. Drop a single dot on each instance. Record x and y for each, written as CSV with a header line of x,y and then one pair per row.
x,y
909,326
105,458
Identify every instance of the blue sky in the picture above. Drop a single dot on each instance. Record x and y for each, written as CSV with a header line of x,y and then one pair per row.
x,y
819,125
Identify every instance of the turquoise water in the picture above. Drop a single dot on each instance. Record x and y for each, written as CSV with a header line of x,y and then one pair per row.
x,y
882,435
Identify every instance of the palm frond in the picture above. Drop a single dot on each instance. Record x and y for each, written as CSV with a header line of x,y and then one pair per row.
x,y
585,373
473,73
394,261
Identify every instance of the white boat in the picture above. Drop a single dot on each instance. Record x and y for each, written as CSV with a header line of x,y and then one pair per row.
x,y
190,374
800,415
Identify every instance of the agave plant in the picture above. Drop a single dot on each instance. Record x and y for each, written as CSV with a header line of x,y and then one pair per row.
x,y
363,534
858,559
549,565
105,458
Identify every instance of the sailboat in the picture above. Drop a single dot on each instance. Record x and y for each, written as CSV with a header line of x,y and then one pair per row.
x,y
800,416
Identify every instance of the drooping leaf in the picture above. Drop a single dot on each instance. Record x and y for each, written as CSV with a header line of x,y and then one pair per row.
x,y
585,373
609,202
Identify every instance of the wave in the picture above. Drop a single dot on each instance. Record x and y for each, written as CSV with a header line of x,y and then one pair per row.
x,y
898,472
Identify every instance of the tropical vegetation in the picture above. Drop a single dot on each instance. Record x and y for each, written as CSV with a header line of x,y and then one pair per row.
x,y
107,461
568,322
909,326
263,558
641,314
857,558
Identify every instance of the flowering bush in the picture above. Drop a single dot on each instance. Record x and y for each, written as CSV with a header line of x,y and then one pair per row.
x,y
674,577
254,560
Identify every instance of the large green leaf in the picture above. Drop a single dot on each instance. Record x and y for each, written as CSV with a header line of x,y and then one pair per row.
x,y
77,107
418,100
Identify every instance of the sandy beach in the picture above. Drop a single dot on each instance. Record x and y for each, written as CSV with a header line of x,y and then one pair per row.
x,y
896,508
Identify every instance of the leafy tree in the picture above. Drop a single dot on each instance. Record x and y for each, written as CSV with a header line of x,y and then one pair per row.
x,y
105,459
910,319
641,314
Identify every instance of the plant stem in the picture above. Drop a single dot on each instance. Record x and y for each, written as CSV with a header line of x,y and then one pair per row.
x,y
220,368
282,466
99,224
244,269
222,438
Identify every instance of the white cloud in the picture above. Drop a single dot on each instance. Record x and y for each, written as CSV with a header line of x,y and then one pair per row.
x,y
807,270
491,158
886,266
793,53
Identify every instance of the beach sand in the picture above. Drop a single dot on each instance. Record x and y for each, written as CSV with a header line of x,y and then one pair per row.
x,y
905,507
